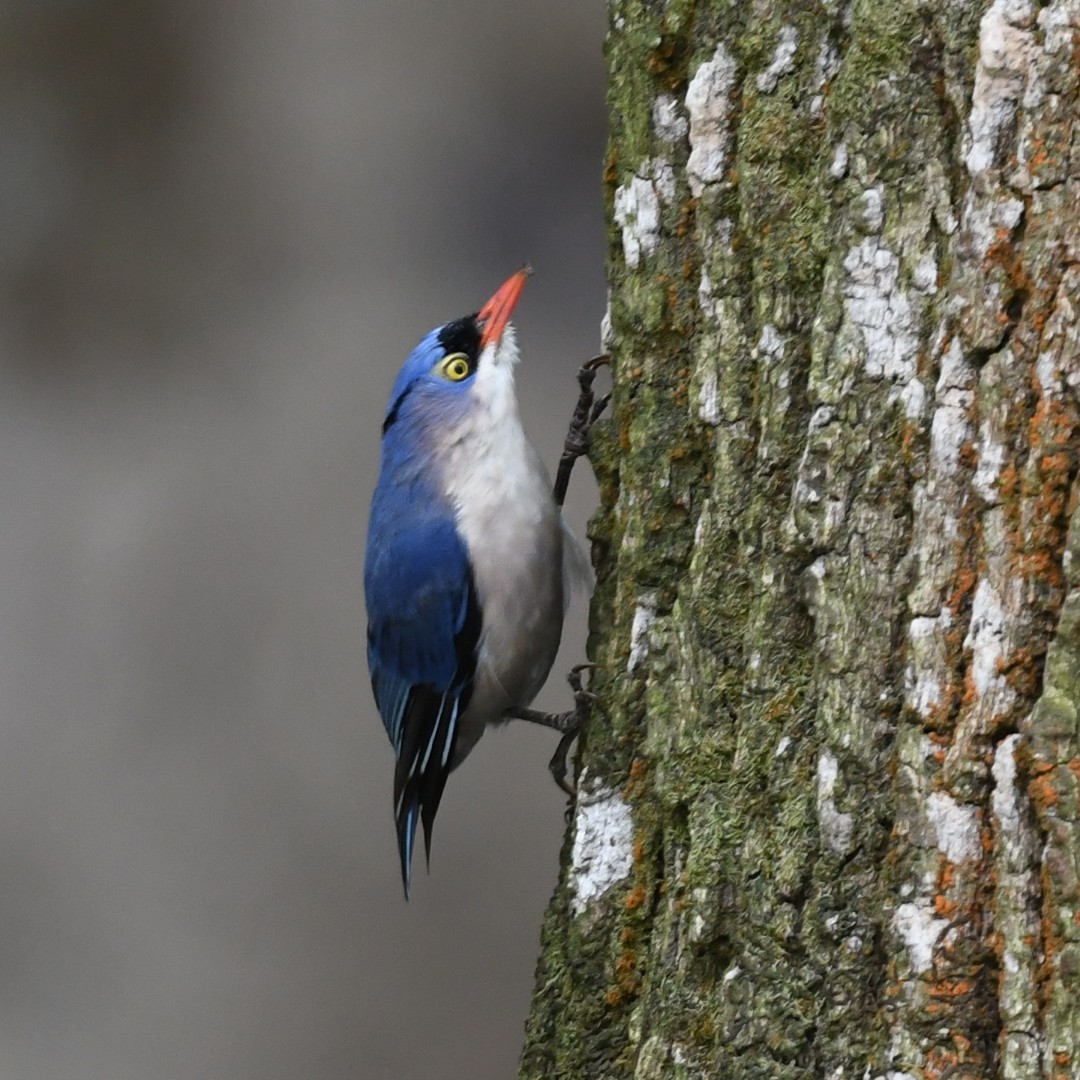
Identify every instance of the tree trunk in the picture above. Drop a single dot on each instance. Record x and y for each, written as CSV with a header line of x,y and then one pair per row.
x,y
829,801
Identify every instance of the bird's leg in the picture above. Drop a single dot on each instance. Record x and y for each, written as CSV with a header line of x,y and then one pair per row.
x,y
569,723
586,411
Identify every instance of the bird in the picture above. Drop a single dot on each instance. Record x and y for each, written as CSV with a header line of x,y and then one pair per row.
x,y
468,564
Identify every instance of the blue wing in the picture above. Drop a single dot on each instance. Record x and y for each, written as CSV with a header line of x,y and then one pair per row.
x,y
423,628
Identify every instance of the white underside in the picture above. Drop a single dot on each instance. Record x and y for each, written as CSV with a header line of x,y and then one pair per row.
x,y
513,530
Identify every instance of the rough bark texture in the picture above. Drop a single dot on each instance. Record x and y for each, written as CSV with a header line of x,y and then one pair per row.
x,y
828,821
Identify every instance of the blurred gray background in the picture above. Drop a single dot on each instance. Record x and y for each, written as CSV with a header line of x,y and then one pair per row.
x,y
222,228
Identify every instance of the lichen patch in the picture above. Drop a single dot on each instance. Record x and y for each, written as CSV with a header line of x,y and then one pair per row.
x,y
955,826
1005,52
637,209
708,103
919,928
603,850
669,123
644,617
836,826
880,310
985,637
783,60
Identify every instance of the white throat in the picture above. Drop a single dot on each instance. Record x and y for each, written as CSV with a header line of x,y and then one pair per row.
x,y
492,475
493,392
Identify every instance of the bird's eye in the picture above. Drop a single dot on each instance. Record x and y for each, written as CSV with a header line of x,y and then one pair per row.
x,y
455,367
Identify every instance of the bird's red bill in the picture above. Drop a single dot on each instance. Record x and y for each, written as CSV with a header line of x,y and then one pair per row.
x,y
495,314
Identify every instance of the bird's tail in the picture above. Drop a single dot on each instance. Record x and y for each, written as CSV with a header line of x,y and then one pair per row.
x,y
421,773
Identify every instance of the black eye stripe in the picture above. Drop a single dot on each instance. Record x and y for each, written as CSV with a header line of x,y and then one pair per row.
x,y
463,336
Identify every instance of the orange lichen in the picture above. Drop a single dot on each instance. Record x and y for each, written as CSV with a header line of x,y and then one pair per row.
x,y
936,718
951,988
970,690
940,1063
946,878
1043,793
1059,463
943,906
1008,483
964,581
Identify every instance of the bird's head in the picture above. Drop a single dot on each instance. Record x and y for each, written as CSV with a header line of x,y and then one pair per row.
x,y
460,367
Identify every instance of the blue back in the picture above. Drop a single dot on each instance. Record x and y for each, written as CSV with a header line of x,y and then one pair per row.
x,y
424,621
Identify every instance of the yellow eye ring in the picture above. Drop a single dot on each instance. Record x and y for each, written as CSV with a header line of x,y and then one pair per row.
x,y
455,367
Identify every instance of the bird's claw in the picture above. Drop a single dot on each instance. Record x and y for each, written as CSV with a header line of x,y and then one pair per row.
x,y
571,724
586,412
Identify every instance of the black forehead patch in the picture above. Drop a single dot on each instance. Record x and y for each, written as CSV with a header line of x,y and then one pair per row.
x,y
461,335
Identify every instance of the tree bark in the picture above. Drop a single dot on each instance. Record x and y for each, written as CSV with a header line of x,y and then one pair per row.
x,y
827,822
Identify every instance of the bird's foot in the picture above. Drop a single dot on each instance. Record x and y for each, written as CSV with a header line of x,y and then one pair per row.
x,y
586,412
574,719
568,723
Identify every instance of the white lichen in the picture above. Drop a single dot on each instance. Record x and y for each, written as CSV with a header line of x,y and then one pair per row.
x,y
1006,48
607,335
783,60
637,209
810,479
708,103
1048,372
877,306
1017,908
925,671
953,396
644,617
924,276
704,522
955,826
913,399
919,928
868,211
705,295
992,457
603,850
669,123
1014,835
709,399
770,344
985,637
836,826
986,220
828,64
839,165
